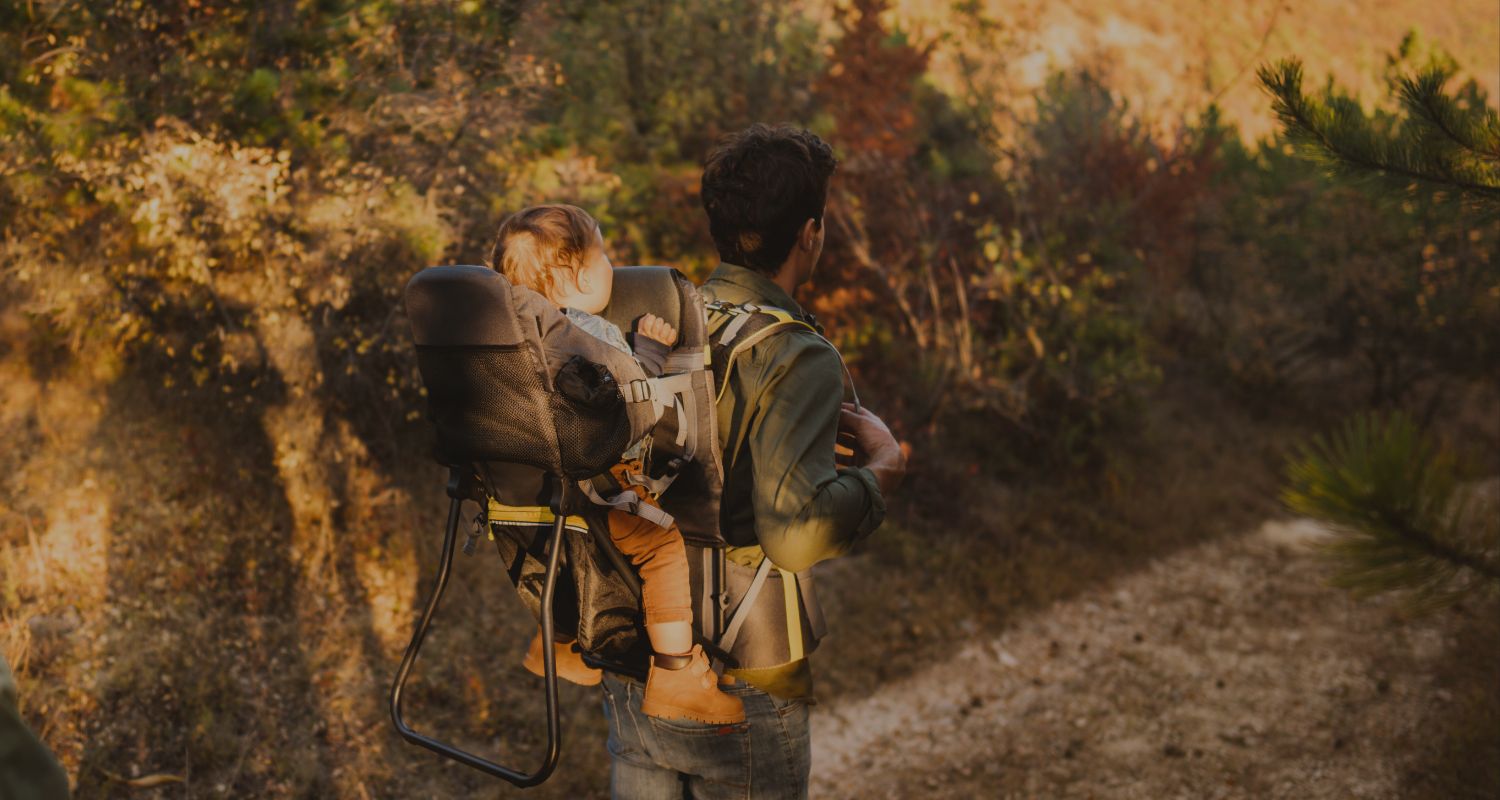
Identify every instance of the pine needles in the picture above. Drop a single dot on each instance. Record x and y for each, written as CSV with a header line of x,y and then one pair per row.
x,y
1440,141
1403,518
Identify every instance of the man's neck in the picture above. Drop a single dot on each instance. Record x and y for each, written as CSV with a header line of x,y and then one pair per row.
x,y
786,278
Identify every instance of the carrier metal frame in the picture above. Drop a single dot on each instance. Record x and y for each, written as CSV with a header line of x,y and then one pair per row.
x,y
462,487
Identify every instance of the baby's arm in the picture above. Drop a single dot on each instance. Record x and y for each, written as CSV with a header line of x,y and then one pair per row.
x,y
654,338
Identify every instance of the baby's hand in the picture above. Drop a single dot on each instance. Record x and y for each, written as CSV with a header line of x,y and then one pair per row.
x,y
654,327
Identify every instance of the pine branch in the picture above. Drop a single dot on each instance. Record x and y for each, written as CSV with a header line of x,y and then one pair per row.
x,y
1424,98
1404,528
1395,499
1337,133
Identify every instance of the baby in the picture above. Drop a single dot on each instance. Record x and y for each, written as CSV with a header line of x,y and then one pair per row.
x,y
558,251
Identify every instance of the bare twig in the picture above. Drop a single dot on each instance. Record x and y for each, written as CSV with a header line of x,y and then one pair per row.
x,y
859,242
145,781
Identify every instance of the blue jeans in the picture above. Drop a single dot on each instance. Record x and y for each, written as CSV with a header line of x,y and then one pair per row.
x,y
766,758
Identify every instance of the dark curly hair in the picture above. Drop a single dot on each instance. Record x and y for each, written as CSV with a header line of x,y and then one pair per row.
x,y
760,186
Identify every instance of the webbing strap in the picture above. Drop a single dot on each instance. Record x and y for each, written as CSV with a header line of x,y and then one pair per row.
x,y
794,645
719,315
653,486
736,324
678,389
708,593
747,343
630,503
662,393
685,361
731,318
501,514
742,611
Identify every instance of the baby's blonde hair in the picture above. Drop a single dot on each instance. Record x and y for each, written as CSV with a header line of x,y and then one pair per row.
x,y
535,243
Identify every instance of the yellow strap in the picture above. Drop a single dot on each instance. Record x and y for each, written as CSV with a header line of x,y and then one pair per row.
x,y
782,315
793,615
782,320
529,515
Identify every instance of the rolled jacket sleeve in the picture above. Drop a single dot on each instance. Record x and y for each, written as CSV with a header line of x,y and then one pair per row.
x,y
807,509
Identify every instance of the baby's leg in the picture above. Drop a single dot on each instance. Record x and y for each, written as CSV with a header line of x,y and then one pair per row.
x,y
681,683
659,555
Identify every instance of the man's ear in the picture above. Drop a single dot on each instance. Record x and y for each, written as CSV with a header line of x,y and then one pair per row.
x,y
807,238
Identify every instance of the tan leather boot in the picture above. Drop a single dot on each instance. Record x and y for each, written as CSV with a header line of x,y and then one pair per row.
x,y
689,692
570,666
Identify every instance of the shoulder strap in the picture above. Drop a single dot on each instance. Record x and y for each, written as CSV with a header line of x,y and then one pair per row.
x,y
732,330
735,328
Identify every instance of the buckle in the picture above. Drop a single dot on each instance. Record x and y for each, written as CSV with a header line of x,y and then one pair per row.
x,y
640,391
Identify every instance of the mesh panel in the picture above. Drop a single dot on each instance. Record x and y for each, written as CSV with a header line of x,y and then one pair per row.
x,y
488,404
589,441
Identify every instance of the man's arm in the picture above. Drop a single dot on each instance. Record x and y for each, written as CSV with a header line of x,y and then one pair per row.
x,y
807,509
882,455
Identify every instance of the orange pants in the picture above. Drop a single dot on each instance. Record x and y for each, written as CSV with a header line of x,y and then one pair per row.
x,y
658,554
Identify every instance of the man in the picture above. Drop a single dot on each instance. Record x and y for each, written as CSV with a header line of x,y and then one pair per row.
x,y
785,498
27,768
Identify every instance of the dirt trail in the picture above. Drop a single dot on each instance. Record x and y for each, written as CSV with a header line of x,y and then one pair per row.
x,y
1226,670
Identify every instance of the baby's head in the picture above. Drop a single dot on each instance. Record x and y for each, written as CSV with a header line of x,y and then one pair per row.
x,y
558,251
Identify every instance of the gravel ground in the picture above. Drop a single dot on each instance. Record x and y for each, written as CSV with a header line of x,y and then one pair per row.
x,y
1226,670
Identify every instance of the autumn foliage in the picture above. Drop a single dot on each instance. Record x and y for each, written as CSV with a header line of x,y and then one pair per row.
x,y
218,495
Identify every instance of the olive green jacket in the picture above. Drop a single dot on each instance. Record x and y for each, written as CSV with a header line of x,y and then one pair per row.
x,y
27,770
784,497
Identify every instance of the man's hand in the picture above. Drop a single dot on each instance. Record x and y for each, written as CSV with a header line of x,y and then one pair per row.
x,y
654,327
874,445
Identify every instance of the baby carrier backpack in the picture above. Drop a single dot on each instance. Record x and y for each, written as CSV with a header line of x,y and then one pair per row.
x,y
529,411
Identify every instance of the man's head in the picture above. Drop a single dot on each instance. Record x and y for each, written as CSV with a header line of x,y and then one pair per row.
x,y
764,190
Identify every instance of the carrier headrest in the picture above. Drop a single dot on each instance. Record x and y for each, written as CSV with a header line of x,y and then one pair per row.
x,y
461,306
642,290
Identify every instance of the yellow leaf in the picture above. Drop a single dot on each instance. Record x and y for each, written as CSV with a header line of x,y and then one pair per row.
x,y
1036,342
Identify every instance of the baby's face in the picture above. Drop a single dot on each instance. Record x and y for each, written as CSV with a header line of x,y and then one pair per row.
x,y
601,269
594,283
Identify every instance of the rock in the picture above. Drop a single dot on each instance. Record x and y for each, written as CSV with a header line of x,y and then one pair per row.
x,y
1301,535
62,623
